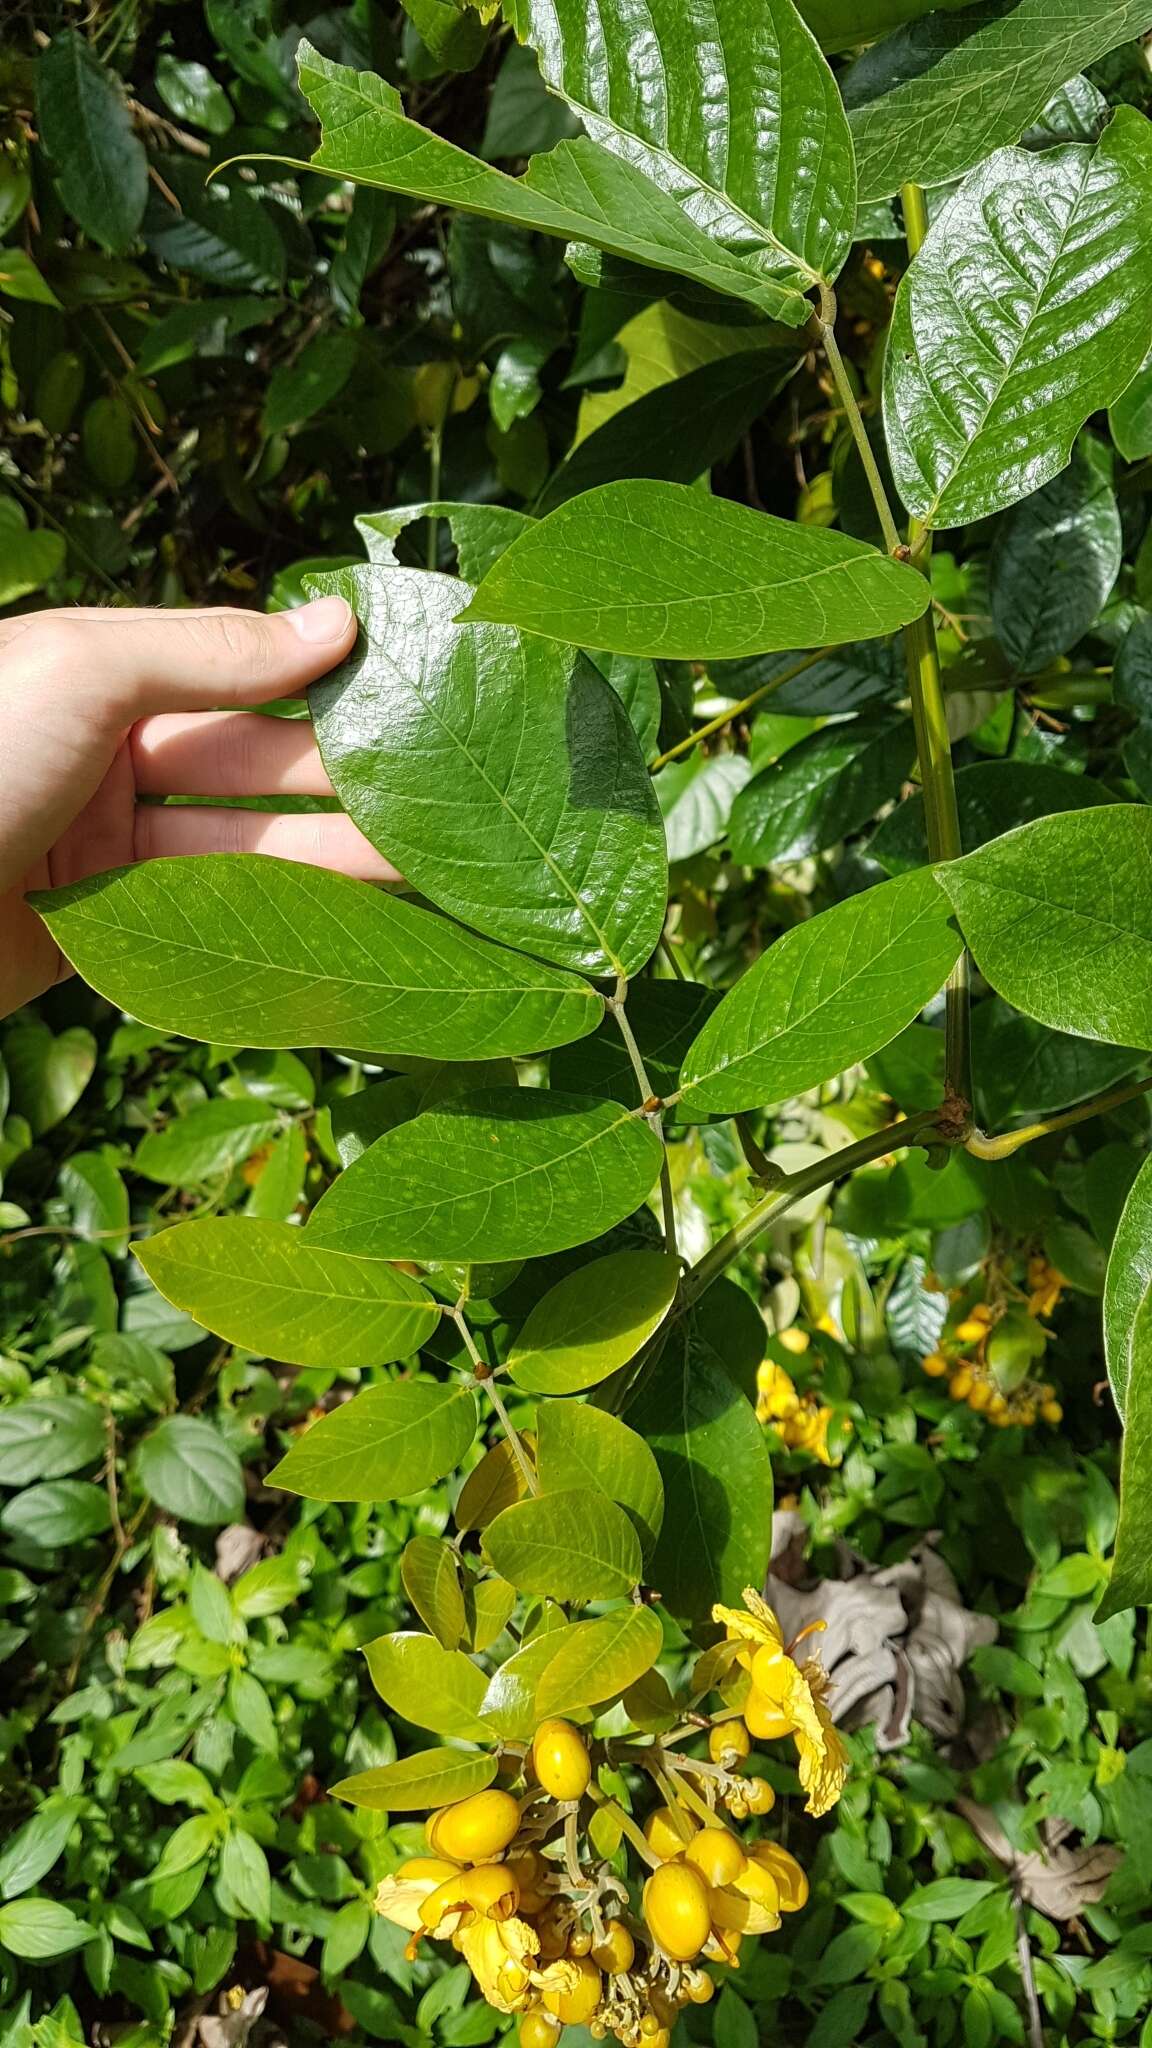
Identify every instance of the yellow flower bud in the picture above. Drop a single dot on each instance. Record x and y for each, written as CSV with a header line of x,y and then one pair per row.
x,y
475,1828
935,1365
716,1854
981,1395
1052,1412
699,1986
575,2007
759,1795
677,1910
972,1330
790,1880
667,1833
539,2030
616,1951
728,1744
961,1383
560,1760
438,1868
794,1340
580,1942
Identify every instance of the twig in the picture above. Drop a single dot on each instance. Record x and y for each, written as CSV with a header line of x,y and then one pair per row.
x,y
1002,1147
724,718
1028,1978
483,1374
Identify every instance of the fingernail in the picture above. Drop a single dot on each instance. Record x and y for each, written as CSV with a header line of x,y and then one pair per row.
x,y
326,618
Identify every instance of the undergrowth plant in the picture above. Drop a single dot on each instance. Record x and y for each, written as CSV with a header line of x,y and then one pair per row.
x,y
496,1244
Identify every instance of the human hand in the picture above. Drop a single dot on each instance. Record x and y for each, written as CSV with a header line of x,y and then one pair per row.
x,y
100,707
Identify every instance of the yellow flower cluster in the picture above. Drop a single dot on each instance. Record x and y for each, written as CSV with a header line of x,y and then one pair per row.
x,y
522,1885
963,1361
800,1420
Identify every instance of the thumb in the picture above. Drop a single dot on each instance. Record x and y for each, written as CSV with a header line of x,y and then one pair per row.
x,y
124,665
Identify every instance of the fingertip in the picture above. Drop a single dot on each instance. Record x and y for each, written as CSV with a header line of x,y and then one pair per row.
x,y
325,621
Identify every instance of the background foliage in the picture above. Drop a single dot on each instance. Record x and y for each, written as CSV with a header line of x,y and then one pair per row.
x,y
206,387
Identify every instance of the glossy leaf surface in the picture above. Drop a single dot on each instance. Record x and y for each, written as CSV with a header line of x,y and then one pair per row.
x,y
436,1688
427,1779
390,1441
503,1174
1024,312
937,96
821,790
579,1445
661,569
987,794
732,111
576,1545
826,995
1056,559
1059,920
431,1576
600,1659
87,130
593,1321
267,1287
245,948
501,775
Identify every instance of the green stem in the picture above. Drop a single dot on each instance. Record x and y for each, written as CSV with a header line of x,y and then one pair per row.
x,y
649,1102
793,1188
826,321
435,450
1010,1141
483,1375
724,718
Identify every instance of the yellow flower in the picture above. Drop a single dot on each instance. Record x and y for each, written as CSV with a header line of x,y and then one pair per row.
x,y
797,1691
808,1432
399,1899
778,1397
503,1956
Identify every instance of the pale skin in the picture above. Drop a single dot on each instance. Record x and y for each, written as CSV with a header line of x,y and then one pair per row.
x,y
100,708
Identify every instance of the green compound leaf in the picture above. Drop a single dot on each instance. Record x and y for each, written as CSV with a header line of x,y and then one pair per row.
x,y
438,1689
717,1477
430,1571
731,110
1053,566
593,1321
645,567
251,950
599,1660
267,1287
1025,311
821,790
1059,919
583,1446
931,101
829,993
579,190
86,128
501,775
428,1779
506,1173
387,1443
576,1545
1128,1348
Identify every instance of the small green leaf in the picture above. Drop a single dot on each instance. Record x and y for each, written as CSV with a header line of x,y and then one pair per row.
x,y
42,1929
209,1142
1070,890
821,790
46,1437
48,1074
57,1512
429,1778
311,380
438,1689
948,1898
187,1468
661,569
579,1446
266,1287
1129,1352
31,556
390,1441
599,1659
829,993
1024,311
30,1853
572,1546
987,795
502,1174
336,962
1054,564
430,1570
86,128
593,1321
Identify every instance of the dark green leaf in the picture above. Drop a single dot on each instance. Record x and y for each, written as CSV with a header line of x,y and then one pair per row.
x,y
188,1469
1053,566
820,791
46,1437
390,1441
502,776
31,555
309,381
266,1287
1024,1070
665,1017
85,126
1059,920
661,569
222,233
712,1457
571,1546
189,91
203,328
933,100
1128,1343
1132,687
56,1512
989,794
827,994
264,952
1130,415
503,1174
696,796
1024,312
29,1854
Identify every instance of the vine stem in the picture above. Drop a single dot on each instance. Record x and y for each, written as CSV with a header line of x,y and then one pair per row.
x,y
483,1374
650,1106
826,322
724,718
792,1189
1008,1142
